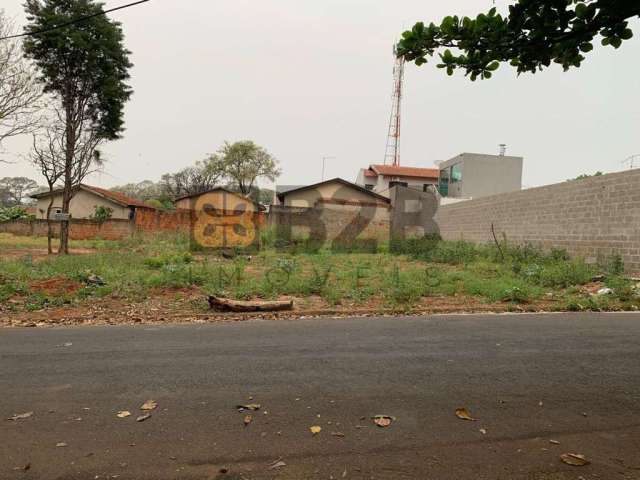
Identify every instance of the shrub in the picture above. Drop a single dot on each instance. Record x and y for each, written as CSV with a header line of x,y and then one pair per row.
x,y
102,214
14,213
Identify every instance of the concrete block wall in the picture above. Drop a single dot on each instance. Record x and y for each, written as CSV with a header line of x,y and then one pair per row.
x,y
597,216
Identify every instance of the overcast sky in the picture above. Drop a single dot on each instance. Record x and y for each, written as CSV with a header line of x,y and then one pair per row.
x,y
307,79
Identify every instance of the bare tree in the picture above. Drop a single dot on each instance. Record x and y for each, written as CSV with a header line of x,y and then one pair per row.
x,y
19,89
50,154
16,189
47,155
203,176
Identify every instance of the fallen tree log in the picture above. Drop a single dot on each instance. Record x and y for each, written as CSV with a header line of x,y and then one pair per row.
x,y
228,305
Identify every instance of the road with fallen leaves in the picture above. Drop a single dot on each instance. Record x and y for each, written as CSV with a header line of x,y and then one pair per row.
x,y
536,397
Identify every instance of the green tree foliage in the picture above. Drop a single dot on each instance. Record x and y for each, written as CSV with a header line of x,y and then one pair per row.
x,y
586,175
85,62
535,34
84,67
244,162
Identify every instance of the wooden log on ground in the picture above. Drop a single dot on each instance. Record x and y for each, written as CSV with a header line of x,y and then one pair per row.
x,y
228,305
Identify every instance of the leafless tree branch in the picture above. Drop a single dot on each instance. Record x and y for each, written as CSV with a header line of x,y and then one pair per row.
x,y
20,92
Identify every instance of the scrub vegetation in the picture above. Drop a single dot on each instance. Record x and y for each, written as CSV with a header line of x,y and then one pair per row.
x,y
403,275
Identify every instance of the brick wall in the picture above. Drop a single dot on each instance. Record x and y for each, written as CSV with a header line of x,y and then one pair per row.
x,y
598,216
150,220
78,229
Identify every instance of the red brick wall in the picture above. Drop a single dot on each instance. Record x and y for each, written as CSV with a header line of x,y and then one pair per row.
x,y
78,229
149,220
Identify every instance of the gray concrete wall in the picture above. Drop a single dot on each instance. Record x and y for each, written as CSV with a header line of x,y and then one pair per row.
x,y
598,216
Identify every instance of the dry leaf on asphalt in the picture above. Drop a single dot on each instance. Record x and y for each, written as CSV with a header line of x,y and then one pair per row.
x,y
149,405
337,434
23,468
574,459
247,420
20,416
483,431
315,429
554,442
142,418
383,420
252,407
463,414
123,414
277,464
61,444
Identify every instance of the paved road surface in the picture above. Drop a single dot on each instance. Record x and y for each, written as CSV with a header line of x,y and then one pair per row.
x,y
574,379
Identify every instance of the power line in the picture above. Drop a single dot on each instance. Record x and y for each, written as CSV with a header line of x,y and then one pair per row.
x,y
73,22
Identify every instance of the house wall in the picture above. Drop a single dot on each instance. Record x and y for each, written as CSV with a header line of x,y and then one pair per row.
x,y
335,191
350,223
83,205
591,218
484,175
381,183
382,186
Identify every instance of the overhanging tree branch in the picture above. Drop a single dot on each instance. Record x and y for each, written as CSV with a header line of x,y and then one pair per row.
x,y
535,34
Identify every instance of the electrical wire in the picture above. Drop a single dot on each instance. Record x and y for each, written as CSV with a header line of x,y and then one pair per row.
x,y
73,22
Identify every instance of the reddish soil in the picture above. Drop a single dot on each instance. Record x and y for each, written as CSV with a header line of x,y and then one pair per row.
x,y
57,286
165,306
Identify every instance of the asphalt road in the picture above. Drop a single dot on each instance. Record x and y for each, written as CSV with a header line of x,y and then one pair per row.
x,y
570,378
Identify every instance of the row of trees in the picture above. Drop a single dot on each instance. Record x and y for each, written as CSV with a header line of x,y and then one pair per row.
x,y
237,166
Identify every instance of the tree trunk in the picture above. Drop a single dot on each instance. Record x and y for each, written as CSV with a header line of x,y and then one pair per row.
x,y
227,305
67,192
49,226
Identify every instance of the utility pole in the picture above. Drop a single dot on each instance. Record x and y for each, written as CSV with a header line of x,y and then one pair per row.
x,y
324,164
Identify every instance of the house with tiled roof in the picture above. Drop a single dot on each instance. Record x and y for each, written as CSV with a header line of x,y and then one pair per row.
x,y
86,199
465,176
381,178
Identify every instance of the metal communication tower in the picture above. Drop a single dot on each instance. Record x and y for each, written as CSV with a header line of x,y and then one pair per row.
x,y
392,153
631,161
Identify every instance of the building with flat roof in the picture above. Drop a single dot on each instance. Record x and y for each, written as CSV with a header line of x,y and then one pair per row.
x,y
474,175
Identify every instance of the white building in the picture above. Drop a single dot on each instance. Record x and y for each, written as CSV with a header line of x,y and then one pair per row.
x,y
380,178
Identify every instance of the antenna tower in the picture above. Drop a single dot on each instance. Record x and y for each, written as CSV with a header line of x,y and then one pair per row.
x,y
392,153
631,161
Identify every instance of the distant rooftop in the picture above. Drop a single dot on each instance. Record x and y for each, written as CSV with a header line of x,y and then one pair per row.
x,y
392,170
287,188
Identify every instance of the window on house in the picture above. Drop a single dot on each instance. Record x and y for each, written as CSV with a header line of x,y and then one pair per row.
x,y
368,187
444,182
425,187
456,173
398,184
